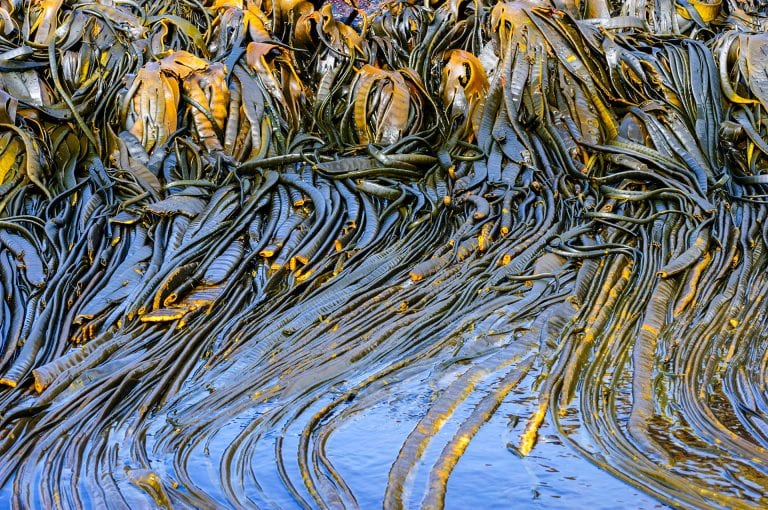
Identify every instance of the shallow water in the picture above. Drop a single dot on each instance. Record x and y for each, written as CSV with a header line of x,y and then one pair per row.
x,y
488,474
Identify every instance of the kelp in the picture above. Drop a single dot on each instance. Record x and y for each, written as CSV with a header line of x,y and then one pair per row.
x,y
230,228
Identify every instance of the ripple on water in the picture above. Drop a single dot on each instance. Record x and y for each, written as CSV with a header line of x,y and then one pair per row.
x,y
487,475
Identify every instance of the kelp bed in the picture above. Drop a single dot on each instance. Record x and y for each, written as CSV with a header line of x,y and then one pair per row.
x,y
231,229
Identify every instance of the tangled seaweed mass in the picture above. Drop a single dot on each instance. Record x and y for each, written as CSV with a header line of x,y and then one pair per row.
x,y
229,230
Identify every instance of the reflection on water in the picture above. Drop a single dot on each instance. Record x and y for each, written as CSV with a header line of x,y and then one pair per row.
x,y
488,475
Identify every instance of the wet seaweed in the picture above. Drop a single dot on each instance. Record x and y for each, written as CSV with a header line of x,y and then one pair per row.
x,y
229,228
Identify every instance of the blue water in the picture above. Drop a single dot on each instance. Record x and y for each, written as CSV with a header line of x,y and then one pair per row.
x,y
487,476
